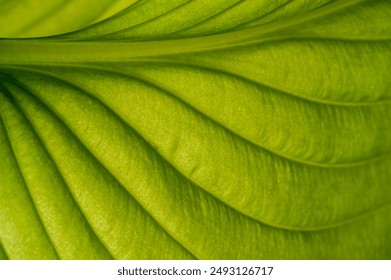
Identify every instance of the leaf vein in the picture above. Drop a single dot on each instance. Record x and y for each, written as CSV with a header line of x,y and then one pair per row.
x,y
85,146
39,137
22,176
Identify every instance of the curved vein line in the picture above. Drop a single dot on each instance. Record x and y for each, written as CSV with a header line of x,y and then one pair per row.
x,y
85,146
161,157
142,23
217,69
225,10
236,27
309,16
261,16
322,6
22,176
223,70
202,189
169,163
156,85
39,137
14,51
231,72
354,218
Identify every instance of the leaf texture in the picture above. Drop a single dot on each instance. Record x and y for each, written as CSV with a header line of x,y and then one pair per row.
x,y
198,130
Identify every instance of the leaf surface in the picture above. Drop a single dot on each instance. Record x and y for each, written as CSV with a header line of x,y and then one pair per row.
x,y
199,129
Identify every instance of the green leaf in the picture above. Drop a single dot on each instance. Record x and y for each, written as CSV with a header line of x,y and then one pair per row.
x,y
197,129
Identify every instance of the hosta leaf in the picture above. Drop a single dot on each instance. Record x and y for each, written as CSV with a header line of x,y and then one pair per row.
x,y
198,129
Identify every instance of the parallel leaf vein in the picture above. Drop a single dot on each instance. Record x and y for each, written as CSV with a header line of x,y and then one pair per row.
x,y
85,146
165,160
39,137
22,176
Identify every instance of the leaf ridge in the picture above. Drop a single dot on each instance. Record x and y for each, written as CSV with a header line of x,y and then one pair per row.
x,y
314,14
282,24
26,187
113,17
237,27
161,157
144,22
39,137
226,9
232,72
156,85
342,182
219,41
167,161
85,146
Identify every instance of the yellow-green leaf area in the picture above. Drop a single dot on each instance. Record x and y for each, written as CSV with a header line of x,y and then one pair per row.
x,y
195,129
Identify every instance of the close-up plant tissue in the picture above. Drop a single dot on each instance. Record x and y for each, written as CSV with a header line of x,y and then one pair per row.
x,y
178,129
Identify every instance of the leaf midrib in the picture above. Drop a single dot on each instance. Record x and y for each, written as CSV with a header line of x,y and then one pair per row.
x,y
42,51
